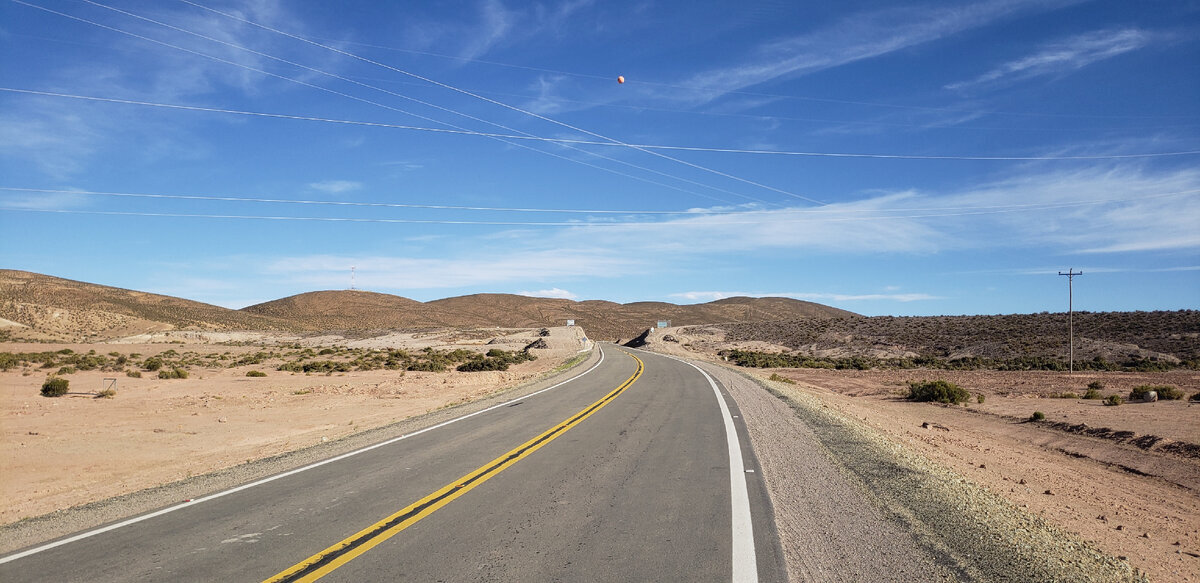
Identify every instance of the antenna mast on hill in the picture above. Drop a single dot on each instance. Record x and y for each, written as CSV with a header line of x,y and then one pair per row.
x,y
1071,273
352,278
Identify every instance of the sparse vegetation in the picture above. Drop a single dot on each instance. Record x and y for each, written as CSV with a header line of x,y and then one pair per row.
x,y
781,379
1095,386
495,359
174,373
1165,392
1037,416
1113,400
137,374
979,398
1066,395
1094,392
106,393
255,373
55,387
939,390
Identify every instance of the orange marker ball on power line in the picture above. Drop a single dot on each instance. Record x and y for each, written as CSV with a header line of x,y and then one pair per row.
x,y
620,78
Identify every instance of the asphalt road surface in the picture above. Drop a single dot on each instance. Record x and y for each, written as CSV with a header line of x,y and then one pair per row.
x,y
626,473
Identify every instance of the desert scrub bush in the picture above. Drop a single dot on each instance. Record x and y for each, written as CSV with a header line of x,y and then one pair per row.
x,y
1037,416
979,398
1066,395
1165,392
255,373
66,370
775,377
55,387
152,364
495,359
939,390
1095,386
1093,393
136,374
174,373
106,394
1113,401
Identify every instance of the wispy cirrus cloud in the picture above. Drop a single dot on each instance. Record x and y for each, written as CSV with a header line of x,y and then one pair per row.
x,y
555,293
862,36
1062,56
336,186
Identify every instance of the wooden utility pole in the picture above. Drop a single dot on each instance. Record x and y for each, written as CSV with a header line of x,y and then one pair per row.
x,y
1071,273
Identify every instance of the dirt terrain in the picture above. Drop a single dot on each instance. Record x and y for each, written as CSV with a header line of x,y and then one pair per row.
x,y
1125,478
65,451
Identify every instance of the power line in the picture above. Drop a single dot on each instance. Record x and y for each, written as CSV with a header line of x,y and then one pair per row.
x,y
394,94
613,141
594,143
499,137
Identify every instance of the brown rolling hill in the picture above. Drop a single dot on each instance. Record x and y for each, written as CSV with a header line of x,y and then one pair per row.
x,y
51,308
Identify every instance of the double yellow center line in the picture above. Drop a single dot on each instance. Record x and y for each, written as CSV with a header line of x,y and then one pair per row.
x,y
326,561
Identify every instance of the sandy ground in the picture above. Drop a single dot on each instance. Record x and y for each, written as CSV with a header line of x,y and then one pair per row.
x,y
1133,498
61,452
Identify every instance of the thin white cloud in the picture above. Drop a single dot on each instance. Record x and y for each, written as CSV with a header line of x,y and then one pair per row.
x,y
512,265
336,186
709,296
554,292
859,37
1063,56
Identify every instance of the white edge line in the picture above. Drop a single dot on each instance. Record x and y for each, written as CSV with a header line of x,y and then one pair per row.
x,y
745,562
169,509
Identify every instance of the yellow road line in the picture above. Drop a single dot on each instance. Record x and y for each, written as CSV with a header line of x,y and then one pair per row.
x,y
326,561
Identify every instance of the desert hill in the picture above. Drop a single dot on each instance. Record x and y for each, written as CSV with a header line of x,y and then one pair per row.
x,y
348,310
50,308
1170,336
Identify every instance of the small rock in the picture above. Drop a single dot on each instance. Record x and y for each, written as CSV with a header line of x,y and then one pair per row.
x,y
983,466
1022,482
1175,544
1145,535
1102,517
1120,527
223,420
1048,493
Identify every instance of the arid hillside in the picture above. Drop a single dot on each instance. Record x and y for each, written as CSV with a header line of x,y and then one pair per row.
x,y
52,308
1113,336
41,307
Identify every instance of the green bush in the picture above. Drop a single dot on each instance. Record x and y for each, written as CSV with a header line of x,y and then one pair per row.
x,y
775,377
256,373
66,370
1093,393
940,391
1165,392
55,387
137,374
174,373
152,364
1037,416
1095,385
1113,400
1067,395
979,398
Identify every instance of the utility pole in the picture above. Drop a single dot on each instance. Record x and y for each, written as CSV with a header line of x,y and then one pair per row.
x,y
1071,273
352,278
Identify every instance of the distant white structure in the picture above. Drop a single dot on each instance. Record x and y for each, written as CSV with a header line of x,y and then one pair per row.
x,y
570,322
664,323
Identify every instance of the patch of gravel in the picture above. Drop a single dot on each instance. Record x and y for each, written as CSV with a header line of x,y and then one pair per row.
x,y
47,527
850,505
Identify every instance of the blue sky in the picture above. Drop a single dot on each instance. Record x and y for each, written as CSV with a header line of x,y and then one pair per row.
x,y
930,158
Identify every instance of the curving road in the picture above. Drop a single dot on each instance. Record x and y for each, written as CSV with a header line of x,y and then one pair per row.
x,y
637,470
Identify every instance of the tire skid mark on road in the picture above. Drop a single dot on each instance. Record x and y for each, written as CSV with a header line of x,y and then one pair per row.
x,y
335,556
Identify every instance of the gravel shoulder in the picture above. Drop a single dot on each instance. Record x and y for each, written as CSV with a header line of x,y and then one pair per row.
x,y
852,505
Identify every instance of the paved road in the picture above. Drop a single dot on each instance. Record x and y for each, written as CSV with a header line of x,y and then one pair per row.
x,y
637,490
